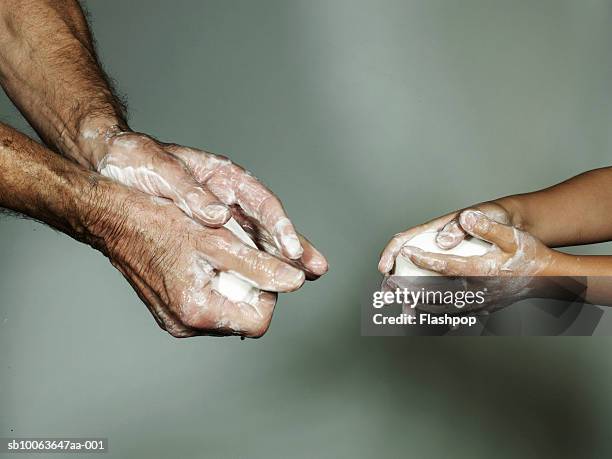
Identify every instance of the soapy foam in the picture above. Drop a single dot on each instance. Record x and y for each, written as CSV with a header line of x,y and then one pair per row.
x,y
427,241
229,284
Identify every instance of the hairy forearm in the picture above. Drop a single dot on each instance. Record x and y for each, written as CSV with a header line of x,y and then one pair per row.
x,y
49,69
44,186
573,212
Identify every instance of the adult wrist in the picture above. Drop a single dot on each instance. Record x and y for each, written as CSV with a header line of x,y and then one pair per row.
x,y
103,210
93,135
42,185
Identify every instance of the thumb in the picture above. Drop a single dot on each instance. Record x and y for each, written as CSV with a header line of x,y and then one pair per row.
x,y
482,227
198,202
167,178
451,235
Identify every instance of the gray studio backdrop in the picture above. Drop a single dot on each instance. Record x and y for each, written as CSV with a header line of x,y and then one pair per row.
x,y
365,117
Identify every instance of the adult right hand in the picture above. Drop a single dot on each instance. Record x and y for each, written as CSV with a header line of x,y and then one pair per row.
x,y
171,261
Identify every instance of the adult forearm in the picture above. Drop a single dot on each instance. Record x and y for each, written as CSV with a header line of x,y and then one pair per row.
x,y
175,272
40,184
49,69
573,212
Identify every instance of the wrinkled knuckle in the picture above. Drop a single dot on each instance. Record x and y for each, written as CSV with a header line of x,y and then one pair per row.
x,y
452,270
256,262
267,208
440,265
215,240
129,141
471,269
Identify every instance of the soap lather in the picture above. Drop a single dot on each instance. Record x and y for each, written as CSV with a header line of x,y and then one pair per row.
x,y
427,241
229,284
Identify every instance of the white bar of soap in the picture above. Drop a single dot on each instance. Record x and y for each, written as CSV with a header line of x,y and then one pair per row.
x,y
427,241
229,284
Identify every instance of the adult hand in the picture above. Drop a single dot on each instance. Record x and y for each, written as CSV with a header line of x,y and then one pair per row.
x,y
171,262
207,187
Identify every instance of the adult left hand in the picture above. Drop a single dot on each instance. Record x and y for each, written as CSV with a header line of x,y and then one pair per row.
x,y
209,188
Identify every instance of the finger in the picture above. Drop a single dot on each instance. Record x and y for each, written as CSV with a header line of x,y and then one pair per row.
x,y
265,306
451,235
233,185
172,180
253,320
200,204
213,314
164,176
261,204
390,252
447,265
393,247
479,225
312,262
228,253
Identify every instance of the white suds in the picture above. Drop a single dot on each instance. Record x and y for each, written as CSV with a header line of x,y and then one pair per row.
x,y
230,284
427,241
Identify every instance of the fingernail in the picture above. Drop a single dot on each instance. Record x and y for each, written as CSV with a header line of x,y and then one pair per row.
x,y
216,213
288,277
469,218
484,225
316,263
319,266
292,246
445,239
473,220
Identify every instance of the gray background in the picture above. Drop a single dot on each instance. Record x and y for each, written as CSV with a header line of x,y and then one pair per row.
x,y
366,117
